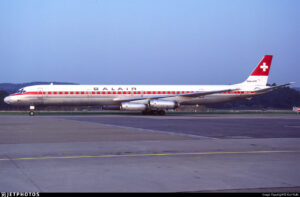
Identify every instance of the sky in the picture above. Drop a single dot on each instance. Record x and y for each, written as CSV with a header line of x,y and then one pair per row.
x,y
148,42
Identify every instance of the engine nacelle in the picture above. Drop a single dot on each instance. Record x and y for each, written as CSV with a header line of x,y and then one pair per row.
x,y
162,104
133,106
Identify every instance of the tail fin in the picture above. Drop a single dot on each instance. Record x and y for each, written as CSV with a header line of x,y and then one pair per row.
x,y
259,76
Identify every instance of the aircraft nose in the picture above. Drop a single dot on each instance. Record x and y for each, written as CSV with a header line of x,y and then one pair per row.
x,y
7,99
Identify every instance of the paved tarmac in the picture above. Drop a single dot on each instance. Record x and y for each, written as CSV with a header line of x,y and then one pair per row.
x,y
131,153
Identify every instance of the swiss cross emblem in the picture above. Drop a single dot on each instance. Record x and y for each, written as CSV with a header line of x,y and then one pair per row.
x,y
264,67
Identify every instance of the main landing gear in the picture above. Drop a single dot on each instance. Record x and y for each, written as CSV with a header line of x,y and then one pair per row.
x,y
31,110
154,112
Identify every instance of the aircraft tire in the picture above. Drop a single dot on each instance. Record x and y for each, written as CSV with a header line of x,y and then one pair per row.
x,y
162,112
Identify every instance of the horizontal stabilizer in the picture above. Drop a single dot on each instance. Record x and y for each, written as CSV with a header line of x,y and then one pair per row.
x,y
274,87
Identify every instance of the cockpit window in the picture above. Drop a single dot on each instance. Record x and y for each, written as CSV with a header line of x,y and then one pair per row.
x,y
22,91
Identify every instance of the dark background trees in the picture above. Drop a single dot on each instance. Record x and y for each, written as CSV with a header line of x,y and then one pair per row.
x,y
282,98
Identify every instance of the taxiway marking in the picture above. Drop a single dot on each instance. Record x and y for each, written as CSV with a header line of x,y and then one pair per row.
x,y
154,154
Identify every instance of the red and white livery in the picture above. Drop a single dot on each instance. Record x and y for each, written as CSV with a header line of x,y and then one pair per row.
x,y
150,99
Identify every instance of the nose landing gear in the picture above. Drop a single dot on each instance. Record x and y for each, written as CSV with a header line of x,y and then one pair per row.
x,y
31,110
154,112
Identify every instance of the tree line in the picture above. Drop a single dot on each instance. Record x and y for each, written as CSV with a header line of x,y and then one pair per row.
x,y
282,98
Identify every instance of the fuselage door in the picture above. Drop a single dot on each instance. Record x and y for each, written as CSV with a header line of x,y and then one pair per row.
x,y
40,93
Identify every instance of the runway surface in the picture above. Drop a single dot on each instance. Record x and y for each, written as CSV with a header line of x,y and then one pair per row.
x,y
132,153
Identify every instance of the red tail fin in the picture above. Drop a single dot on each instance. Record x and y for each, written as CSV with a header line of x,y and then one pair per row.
x,y
259,77
263,68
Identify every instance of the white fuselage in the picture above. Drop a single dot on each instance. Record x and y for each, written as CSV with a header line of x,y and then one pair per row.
x,y
106,94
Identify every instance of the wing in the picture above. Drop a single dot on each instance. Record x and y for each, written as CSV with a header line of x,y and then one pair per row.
x,y
194,94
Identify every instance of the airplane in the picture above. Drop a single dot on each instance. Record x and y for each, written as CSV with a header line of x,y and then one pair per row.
x,y
149,99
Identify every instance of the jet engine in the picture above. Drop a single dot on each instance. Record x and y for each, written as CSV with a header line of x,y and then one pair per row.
x,y
133,106
162,104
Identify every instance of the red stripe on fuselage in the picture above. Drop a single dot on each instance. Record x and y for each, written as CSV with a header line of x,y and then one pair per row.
x,y
120,92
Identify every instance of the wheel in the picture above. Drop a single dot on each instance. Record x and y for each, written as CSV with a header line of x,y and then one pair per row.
x,y
153,112
146,112
31,113
162,112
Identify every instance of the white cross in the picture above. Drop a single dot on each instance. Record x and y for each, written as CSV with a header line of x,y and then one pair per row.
x,y
264,67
